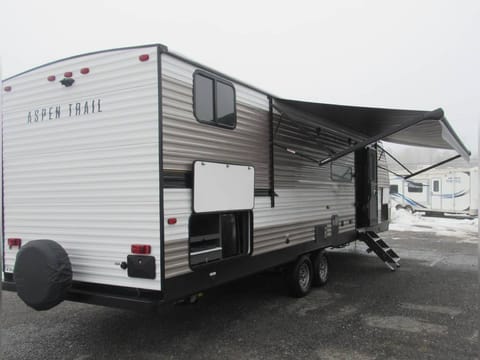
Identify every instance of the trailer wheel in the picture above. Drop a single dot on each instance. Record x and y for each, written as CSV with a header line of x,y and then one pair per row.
x,y
42,273
300,277
320,269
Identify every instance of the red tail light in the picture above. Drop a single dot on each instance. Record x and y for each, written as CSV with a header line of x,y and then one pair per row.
x,y
141,249
14,242
172,221
7,88
144,57
68,74
84,71
51,78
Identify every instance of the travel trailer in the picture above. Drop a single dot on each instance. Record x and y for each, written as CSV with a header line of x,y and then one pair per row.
x,y
439,191
135,176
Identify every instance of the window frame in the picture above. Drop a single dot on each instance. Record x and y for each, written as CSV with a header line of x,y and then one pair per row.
x,y
339,179
215,79
416,185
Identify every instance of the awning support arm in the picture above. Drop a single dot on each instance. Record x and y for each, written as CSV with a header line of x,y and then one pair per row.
x,y
278,125
431,167
390,171
395,159
383,150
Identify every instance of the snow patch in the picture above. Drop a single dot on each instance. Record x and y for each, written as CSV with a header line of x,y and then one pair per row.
x,y
468,241
402,220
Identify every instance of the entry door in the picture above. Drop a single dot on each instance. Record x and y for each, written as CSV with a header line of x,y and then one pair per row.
x,y
436,193
373,182
366,197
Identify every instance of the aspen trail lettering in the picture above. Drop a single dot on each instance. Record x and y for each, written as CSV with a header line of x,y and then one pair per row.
x,y
65,111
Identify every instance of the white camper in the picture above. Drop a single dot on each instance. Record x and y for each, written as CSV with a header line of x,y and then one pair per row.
x,y
439,191
136,176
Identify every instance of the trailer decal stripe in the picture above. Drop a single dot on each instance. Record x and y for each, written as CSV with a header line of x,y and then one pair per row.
x,y
408,200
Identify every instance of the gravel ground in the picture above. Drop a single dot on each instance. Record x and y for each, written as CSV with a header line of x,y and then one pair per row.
x,y
425,310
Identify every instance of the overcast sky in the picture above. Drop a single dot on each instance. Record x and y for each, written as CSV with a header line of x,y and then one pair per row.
x,y
403,54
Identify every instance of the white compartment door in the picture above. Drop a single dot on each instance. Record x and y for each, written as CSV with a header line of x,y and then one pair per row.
x,y
222,187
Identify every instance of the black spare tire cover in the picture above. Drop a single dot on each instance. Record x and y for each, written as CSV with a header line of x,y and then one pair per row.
x,y
42,273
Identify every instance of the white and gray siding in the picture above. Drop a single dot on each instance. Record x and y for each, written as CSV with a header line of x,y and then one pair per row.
x,y
305,194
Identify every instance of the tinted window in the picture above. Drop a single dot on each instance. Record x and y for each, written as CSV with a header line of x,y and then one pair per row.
x,y
415,187
203,98
436,186
225,105
393,189
214,101
341,173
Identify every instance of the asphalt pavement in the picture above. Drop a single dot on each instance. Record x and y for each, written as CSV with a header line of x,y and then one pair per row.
x,y
427,309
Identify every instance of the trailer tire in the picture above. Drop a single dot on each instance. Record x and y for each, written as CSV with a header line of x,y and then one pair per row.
x,y
300,277
43,274
320,268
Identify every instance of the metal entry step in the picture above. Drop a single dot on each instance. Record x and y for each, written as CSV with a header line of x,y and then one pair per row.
x,y
381,249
